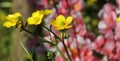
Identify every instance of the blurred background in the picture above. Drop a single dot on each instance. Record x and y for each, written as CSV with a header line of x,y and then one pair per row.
x,y
10,49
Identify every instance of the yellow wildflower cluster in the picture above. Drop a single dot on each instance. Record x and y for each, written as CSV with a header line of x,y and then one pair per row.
x,y
36,18
12,20
61,23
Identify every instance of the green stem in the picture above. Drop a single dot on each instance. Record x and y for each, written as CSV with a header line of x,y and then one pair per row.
x,y
52,32
55,45
65,46
23,46
66,51
42,39
60,52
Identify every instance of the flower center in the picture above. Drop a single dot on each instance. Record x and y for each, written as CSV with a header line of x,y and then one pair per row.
x,y
62,23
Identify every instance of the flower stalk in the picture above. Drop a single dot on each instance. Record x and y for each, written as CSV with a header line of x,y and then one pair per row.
x,y
23,46
60,52
62,40
42,39
65,47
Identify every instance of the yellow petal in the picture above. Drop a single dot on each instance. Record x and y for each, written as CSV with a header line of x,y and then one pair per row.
x,y
36,13
60,28
68,27
118,19
69,19
31,21
60,18
41,16
13,18
39,20
53,23
48,12
10,17
8,24
17,14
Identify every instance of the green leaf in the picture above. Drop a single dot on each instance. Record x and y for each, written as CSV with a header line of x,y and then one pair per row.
x,y
50,55
66,34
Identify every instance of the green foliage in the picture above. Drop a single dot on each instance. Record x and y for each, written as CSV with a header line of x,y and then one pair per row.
x,y
97,54
51,55
5,39
5,34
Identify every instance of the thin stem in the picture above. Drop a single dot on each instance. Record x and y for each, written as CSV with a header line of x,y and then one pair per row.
x,y
23,46
42,39
69,46
60,52
65,46
66,51
52,32
29,32
55,45
73,27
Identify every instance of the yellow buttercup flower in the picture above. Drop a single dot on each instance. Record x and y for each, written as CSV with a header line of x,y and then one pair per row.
x,y
118,19
12,20
36,18
61,23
